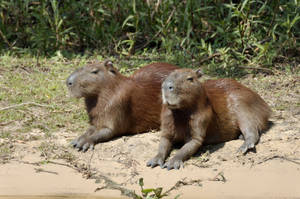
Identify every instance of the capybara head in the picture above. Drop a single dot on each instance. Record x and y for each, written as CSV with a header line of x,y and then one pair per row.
x,y
181,88
89,80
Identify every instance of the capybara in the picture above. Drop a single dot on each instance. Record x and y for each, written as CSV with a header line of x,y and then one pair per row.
x,y
209,112
117,104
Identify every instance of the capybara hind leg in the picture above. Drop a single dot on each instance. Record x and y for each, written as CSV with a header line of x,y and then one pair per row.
x,y
251,137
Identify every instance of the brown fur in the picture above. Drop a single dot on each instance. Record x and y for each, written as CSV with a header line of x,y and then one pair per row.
x,y
211,112
117,104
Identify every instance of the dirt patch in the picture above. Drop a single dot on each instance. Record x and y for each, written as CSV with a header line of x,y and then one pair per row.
x,y
37,164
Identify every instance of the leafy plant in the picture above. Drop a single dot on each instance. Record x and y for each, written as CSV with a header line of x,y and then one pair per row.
x,y
150,193
255,34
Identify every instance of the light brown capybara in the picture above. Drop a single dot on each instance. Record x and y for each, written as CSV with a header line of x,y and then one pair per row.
x,y
209,112
116,104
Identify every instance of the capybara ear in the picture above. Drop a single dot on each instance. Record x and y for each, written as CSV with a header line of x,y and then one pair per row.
x,y
110,67
199,73
108,63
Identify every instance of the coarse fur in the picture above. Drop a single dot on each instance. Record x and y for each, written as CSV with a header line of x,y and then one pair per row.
x,y
211,112
116,104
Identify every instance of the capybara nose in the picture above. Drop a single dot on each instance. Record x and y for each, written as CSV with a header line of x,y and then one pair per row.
x,y
70,80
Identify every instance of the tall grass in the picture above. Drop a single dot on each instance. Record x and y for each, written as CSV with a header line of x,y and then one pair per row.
x,y
226,34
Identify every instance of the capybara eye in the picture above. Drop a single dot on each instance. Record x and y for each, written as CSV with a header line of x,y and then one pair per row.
x,y
191,79
95,71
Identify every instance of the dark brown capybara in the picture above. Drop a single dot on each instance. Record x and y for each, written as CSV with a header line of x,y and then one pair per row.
x,y
116,104
209,112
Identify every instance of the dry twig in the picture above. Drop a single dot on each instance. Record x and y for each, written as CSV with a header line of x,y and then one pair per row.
x,y
279,157
210,57
24,104
183,182
219,177
257,68
6,123
39,170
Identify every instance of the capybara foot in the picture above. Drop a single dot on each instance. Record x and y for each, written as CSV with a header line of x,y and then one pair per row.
x,y
173,164
83,143
245,147
157,160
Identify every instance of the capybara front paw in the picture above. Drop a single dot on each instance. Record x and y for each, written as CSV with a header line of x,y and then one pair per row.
x,y
245,147
173,164
157,160
83,143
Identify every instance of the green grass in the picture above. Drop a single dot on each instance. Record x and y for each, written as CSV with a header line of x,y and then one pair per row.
x,y
23,81
5,151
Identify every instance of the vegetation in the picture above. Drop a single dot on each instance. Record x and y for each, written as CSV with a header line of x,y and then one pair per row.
x,y
150,193
228,37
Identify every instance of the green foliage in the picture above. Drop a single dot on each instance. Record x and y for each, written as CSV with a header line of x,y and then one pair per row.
x,y
223,34
150,193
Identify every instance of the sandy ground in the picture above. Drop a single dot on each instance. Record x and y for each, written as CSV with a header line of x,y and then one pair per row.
x,y
115,167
